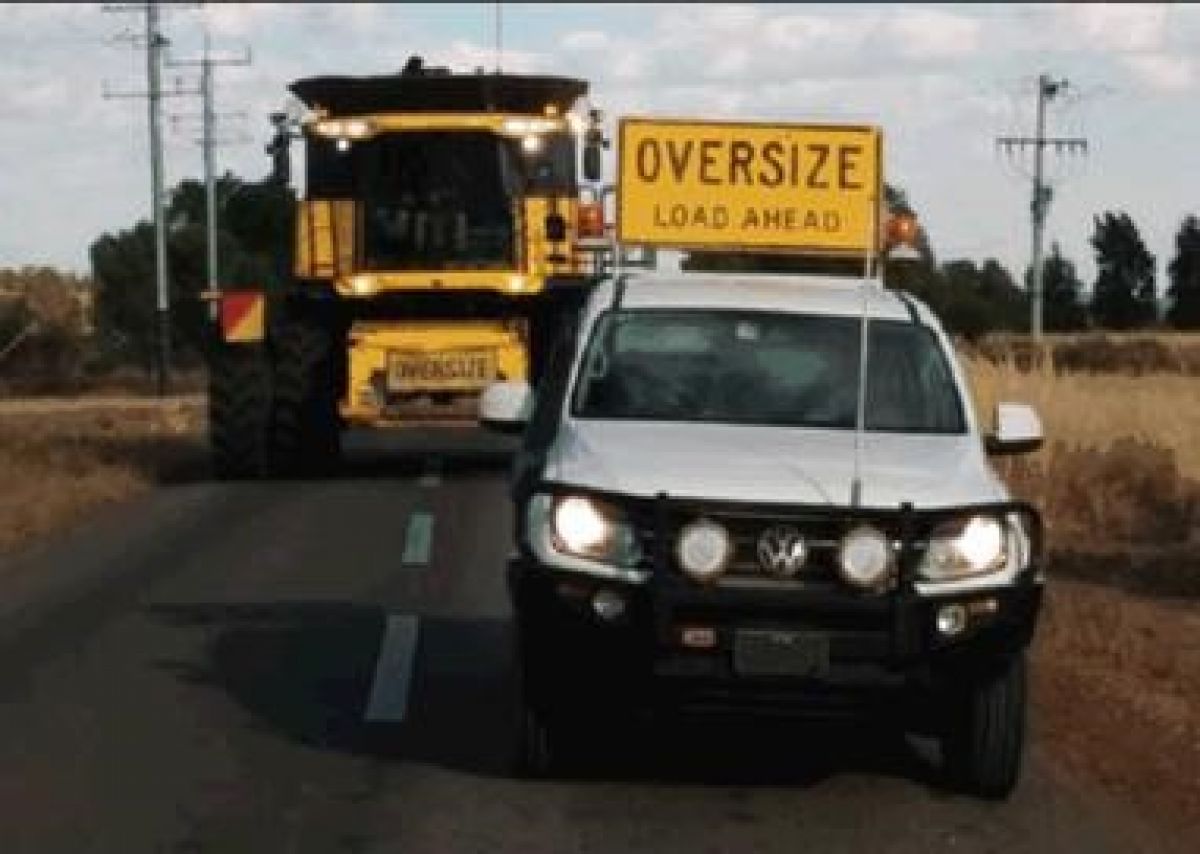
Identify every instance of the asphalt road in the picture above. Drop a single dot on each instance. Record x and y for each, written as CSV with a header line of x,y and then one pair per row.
x,y
325,666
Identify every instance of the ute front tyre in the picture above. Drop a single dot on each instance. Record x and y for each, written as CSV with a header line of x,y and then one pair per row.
x,y
985,739
239,411
305,427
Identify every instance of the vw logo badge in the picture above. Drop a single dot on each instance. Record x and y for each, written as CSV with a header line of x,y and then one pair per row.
x,y
781,551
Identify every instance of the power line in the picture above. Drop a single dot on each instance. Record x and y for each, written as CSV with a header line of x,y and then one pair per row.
x,y
1047,90
208,142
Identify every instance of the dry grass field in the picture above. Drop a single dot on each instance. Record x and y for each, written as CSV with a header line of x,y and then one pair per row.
x,y
1119,477
61,459
1117,676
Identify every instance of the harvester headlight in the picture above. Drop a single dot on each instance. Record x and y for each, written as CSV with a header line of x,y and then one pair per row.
x,y
865,557
589,528
576,123
362,285
345,129
525,127
974,545
531,143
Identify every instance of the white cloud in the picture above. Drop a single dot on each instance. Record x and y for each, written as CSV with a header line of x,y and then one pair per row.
x,y
1119,26
586,40
464,55
935,34
240,19
1162,71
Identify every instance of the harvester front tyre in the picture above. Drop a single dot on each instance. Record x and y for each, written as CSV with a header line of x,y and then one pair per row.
x,y
239,412
305,429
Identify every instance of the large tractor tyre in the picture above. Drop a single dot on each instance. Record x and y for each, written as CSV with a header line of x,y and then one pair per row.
x,y
239,411
305,424
985,738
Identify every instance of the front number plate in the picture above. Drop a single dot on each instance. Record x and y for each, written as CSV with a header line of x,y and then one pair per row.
x,y
450,369
766,652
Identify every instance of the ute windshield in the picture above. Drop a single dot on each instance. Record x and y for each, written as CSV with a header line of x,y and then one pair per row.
x,y
439,200
765,368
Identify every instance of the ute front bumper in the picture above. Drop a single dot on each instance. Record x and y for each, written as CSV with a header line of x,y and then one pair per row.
x,y
679,646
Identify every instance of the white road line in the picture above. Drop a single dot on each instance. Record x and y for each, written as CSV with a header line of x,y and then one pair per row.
x,y
432,476
418,539
393,670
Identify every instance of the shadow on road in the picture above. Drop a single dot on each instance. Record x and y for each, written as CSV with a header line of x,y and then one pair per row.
x,y
304,671
405,453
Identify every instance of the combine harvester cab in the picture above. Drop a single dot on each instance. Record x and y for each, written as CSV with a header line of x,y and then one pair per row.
x,y
440,242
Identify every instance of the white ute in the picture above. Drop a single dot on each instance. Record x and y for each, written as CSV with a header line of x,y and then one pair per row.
x,y
707,511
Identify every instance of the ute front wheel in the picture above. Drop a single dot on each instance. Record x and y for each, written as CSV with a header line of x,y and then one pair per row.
x,y
985,738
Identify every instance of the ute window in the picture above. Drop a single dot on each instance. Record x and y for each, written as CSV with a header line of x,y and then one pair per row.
x,y
764,368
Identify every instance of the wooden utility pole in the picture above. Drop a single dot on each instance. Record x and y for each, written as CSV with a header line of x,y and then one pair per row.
x,y
1047,89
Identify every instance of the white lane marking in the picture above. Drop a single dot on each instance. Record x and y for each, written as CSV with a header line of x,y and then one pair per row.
x,y
418,539
432,476
393,670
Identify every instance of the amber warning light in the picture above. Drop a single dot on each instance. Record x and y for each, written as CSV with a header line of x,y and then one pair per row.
x,y
902,230
591,221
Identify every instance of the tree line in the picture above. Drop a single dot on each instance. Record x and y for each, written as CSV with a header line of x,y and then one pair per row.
x,y
972,297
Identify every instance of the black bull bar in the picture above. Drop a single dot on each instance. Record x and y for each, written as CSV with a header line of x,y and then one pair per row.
x,y
900,611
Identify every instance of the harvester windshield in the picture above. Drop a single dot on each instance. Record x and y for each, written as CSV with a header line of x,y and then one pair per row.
x,y
440,200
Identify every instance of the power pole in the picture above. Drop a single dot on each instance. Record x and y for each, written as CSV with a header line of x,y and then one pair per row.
x,y
155,42
1047,89
208,143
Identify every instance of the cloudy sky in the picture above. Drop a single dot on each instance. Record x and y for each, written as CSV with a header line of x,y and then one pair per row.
x,y
942,80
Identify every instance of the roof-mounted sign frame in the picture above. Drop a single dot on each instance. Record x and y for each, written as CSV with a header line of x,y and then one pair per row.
x,y
810,189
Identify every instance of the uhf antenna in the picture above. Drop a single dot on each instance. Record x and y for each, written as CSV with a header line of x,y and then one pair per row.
x,y
860,416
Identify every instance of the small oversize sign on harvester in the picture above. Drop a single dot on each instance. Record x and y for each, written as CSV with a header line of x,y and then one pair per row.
x,y
750,186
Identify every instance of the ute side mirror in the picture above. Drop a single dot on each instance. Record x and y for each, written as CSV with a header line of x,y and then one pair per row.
x,y
1018,430
505,406
592,169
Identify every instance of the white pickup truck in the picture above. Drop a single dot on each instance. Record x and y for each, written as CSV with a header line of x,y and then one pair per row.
x,y
702,522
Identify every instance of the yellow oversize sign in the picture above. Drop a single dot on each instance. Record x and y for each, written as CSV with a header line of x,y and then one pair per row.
x,y
723,185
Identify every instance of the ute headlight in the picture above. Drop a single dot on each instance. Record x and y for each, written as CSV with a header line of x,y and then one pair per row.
x,y
865,557
703,549
963,547
587,528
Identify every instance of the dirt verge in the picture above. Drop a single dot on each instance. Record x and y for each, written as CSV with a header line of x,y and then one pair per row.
x,y
1116,692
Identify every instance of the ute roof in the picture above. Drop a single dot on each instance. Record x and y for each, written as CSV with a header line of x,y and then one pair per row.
x,y
438,92
760,292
